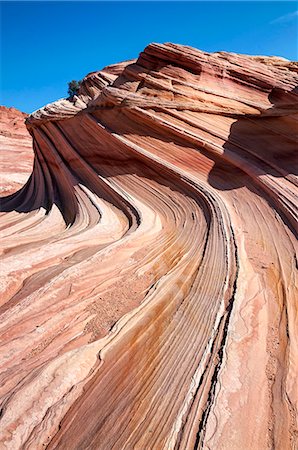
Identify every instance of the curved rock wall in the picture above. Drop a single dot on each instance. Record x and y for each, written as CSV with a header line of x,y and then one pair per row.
x,y
150,278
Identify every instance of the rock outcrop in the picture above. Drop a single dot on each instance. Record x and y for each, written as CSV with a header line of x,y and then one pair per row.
x,y
149,275
16,150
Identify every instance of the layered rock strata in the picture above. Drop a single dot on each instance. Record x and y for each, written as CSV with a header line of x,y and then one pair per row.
x,y
16,150
149,275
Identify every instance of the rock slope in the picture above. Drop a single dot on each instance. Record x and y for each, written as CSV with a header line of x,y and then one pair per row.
x,y
149,274
16,150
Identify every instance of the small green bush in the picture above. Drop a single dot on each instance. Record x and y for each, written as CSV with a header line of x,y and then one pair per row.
x,y
73,87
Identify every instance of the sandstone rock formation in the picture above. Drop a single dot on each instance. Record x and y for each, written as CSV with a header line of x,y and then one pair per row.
x,y
149,276
16,150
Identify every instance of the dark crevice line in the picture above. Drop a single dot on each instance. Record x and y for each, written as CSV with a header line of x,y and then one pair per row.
x,y
199,443
214,342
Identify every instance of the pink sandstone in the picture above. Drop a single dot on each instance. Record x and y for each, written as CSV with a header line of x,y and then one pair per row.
x,y
16,150
149,269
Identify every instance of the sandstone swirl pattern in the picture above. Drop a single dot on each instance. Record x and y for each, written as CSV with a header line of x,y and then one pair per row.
x,y
149,276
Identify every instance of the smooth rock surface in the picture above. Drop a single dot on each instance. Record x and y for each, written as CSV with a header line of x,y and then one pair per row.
x,y
149,269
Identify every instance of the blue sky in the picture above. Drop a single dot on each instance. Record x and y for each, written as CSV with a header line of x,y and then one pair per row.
x,y
47,44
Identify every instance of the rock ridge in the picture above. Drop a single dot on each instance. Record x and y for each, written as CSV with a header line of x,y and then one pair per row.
x,y
149,272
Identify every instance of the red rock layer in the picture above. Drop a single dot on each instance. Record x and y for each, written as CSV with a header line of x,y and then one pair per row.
x,y
16,150
150,299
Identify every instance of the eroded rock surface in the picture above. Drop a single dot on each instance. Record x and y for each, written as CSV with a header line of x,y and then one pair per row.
x,y
16,157
149,274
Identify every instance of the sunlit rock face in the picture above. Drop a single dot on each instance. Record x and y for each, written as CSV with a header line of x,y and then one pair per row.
x,y
149,278
16,157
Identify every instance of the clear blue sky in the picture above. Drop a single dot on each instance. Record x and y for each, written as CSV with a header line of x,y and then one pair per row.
x,y
47,44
